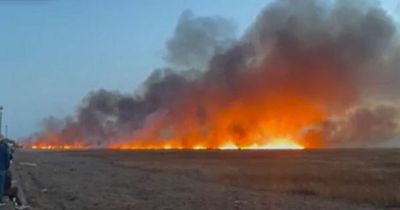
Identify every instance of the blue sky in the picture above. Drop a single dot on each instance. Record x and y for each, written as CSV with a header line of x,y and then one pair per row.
x,y
53,52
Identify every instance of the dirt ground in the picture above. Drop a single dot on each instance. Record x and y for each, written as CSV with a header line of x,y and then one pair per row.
x,y
107,179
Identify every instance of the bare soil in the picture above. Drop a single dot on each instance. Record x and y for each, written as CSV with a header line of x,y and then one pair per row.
x,y
309,179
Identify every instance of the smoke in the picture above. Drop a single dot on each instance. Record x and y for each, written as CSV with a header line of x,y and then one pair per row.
x,y
373,124
303,69
198,39
362,126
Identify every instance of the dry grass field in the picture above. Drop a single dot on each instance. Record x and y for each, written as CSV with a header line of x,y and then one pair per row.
x,y
309,179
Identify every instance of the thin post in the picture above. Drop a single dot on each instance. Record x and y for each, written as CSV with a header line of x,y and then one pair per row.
x,y
1,118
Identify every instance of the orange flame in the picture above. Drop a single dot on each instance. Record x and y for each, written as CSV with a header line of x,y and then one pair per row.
x,y
53,142
277,123
275,144
56,147
278,144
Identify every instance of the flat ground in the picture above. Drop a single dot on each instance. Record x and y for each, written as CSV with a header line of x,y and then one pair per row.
x,y
309,179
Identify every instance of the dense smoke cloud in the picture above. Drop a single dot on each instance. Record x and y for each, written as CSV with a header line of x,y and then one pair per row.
x,y
304,69
198,39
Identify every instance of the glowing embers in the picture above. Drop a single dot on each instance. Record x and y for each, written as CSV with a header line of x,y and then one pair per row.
x,y
277,144
274,144
57,147
229,146
283,143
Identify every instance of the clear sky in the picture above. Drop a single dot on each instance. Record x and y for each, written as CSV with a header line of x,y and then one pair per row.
x,y
53,52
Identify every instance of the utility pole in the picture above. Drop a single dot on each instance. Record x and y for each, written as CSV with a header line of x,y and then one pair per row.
x,y
1,118
6,132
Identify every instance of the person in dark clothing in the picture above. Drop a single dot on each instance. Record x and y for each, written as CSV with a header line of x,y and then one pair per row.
x,y
11,191
4,166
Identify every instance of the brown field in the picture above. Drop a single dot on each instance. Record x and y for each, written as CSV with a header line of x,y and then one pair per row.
x,y
309,179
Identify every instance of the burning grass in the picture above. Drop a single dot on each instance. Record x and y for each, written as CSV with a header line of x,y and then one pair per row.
x,y
275,144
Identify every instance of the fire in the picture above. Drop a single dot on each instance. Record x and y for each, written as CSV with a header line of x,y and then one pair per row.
x,y
274,122
50,141
199,147
278,144
228,146
56,147
283,143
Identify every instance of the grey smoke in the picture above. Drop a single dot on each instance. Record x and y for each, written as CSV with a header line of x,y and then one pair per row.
x,y
362,126
197,39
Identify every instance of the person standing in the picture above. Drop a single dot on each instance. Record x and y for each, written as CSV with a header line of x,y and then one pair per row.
x,y
4,166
